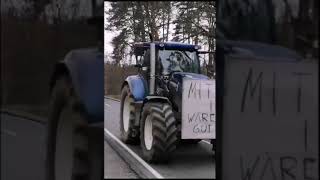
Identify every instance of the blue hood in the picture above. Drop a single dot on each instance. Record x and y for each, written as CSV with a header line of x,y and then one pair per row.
x,y
180,75
175,85
177,77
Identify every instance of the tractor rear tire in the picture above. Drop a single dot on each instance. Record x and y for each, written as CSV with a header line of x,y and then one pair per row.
x,y
129,134
70,154
158,132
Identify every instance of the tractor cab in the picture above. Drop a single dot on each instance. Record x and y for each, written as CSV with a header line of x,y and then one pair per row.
x,y
164,65
169,57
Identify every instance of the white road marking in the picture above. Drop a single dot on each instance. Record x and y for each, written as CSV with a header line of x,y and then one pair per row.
x,y
110,98
146,165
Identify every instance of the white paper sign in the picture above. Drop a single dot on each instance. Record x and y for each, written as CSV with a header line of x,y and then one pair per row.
x,y
198,109
270,125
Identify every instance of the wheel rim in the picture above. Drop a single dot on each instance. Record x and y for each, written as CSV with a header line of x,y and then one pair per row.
x,y
126,113
64,148
148,137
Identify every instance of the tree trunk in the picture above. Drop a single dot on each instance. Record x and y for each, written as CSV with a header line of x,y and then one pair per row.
x,y
168,26
168,20
140,15
151,21
38,8
163,28
182,33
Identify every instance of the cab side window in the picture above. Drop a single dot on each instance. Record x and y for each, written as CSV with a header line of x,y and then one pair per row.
x,y
146,59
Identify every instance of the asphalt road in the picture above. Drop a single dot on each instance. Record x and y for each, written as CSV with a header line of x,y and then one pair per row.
x,y
114,166
189,161
23,151
22,148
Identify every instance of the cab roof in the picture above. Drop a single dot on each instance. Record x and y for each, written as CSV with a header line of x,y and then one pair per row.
x,y
141,46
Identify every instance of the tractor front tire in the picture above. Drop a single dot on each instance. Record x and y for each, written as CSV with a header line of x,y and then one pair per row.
x,y
158,132
70,154
129,134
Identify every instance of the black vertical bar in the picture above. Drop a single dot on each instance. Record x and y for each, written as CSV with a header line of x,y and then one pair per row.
x,y
219,109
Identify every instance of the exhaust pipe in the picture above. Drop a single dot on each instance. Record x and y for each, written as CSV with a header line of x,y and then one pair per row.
x,y
153,67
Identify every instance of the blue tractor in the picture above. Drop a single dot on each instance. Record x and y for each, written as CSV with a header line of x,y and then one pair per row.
x,y
151,101
76,114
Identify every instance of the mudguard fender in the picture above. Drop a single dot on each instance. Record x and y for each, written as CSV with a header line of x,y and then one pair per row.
x,y
156,99
86,69
138,87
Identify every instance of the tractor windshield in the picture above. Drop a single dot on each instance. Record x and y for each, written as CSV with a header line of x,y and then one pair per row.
x,y
176,60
